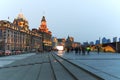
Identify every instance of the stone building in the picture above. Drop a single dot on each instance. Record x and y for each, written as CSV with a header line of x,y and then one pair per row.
x,y
46,35
54,43
69,42
18,36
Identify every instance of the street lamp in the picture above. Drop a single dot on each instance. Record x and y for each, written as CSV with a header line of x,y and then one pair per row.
x,y
116,47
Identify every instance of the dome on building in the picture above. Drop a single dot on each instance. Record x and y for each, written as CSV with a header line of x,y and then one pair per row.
x,y
21,16
21,21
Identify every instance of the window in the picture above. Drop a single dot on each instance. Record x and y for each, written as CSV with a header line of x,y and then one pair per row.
x,y
0,33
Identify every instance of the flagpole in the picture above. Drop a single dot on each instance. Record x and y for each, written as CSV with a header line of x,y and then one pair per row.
x,y
8,18
99,39
99,43
116,46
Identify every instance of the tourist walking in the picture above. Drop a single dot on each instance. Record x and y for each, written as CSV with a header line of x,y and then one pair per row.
x,y
98,49
79,50
76,50
88,50
83,50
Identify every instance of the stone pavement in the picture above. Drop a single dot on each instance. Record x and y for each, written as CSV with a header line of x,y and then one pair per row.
x,y
34,67
45,66
9,59
105,65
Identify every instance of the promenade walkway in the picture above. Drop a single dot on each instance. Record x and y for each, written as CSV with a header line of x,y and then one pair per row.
x,y
105,65
44,66
69,66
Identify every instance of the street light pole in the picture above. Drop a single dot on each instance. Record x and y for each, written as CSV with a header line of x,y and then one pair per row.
x,y
116,47
43,41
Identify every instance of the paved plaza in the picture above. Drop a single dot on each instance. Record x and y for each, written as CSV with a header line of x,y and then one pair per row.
x,y
5,60
105,65
43,66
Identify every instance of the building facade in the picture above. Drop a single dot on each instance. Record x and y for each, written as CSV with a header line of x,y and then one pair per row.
x,y
69,42
46,35
18,36
61,42
54,43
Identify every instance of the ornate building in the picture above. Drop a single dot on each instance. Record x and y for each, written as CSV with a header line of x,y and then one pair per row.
x,y
18,36
61,42
69,42
46,35
54,43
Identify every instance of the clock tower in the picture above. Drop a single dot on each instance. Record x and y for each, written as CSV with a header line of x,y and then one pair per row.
x,y
46,35
43,26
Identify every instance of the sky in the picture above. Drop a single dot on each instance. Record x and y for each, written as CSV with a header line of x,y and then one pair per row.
x,y
85,20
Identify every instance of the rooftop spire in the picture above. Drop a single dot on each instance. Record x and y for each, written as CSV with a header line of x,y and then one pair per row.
x,y
43,19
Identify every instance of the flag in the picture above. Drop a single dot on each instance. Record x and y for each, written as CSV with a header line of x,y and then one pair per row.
x,y
8,17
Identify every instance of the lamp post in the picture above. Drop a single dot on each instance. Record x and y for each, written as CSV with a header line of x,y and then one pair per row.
x,y
115,39
43,42
116,47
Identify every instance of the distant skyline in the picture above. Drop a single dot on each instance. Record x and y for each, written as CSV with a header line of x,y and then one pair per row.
x,y
85,20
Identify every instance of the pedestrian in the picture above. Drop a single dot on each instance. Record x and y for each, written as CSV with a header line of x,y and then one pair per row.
x,y
98,49
83,50
79,50
76,50
68,49
72,49
88,50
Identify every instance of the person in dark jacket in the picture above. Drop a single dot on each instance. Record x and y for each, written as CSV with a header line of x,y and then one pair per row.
x,y
76,50
83,50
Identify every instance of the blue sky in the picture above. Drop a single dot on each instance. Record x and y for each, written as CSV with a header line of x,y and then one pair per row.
x,y
85,20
